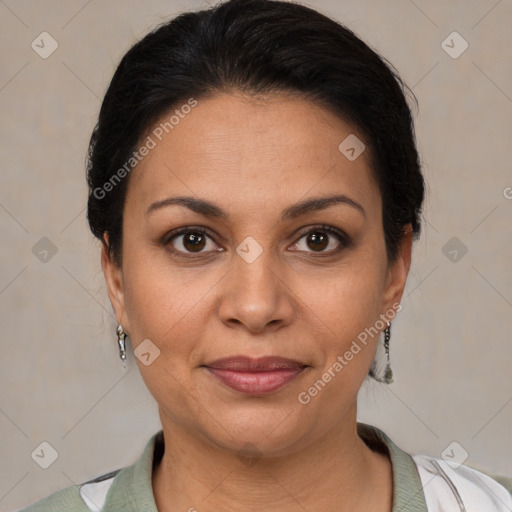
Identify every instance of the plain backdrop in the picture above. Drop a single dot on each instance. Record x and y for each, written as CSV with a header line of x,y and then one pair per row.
x,y
61,379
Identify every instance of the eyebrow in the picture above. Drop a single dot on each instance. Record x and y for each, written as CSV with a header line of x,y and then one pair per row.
x,y
209,209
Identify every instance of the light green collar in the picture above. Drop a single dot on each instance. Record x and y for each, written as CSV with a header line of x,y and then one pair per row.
x,y
132,489
408,493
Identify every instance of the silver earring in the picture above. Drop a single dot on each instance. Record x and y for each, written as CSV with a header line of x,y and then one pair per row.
x,y
122,347
388,373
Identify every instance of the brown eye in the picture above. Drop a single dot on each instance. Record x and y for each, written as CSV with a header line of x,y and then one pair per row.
x,y
191,241
320,238
318,241
194,242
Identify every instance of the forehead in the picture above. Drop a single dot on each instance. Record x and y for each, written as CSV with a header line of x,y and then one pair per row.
x,y
241,151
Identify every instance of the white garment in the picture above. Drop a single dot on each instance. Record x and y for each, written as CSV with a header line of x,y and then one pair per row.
x,y
95,493
448,488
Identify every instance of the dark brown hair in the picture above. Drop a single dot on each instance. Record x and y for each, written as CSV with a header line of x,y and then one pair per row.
x,y
256,47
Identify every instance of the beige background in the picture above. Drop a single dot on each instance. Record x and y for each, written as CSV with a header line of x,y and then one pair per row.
x,y
61,379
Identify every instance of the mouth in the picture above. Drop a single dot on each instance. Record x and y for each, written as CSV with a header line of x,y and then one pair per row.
x,y
255,376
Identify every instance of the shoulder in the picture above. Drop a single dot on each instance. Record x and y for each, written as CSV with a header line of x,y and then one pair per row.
x,y
450,486
64,499
125,489
87,497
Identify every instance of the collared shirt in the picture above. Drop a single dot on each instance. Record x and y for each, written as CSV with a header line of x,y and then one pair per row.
x,y
418,481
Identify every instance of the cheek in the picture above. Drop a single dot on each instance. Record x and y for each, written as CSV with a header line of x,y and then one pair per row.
x,y
167,309
348,310
349,298
148,303
166,304
346,305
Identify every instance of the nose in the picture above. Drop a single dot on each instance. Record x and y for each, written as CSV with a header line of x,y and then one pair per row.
x,y
255,295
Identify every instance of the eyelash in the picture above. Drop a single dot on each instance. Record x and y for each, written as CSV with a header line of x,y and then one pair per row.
x,y
344,240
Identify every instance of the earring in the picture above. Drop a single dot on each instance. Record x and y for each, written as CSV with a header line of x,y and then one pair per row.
x,y
121,335
388,373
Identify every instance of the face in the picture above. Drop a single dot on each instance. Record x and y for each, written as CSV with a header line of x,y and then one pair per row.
x,y
252,273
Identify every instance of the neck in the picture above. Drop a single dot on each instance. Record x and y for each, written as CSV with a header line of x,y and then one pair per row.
x,y
337,472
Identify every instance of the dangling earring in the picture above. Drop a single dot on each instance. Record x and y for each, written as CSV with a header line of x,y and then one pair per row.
x,y
388,373
122,347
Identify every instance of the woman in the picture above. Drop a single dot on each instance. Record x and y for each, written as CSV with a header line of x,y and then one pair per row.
x,y
255,184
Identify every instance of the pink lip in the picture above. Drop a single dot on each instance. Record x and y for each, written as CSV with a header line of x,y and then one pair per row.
x,y
255,376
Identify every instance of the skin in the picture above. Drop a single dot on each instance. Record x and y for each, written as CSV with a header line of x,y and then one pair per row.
x,y
254,158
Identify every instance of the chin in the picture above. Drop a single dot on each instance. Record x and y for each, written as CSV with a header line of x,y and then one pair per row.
x,y
267,429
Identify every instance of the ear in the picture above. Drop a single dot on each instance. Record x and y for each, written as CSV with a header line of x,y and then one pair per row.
x,y
115,284
398,271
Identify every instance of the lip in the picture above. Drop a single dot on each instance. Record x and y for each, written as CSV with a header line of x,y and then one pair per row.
x,y
255,376
260,364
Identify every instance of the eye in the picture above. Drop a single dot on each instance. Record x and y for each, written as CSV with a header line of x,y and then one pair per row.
x,y
319,238
191,240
